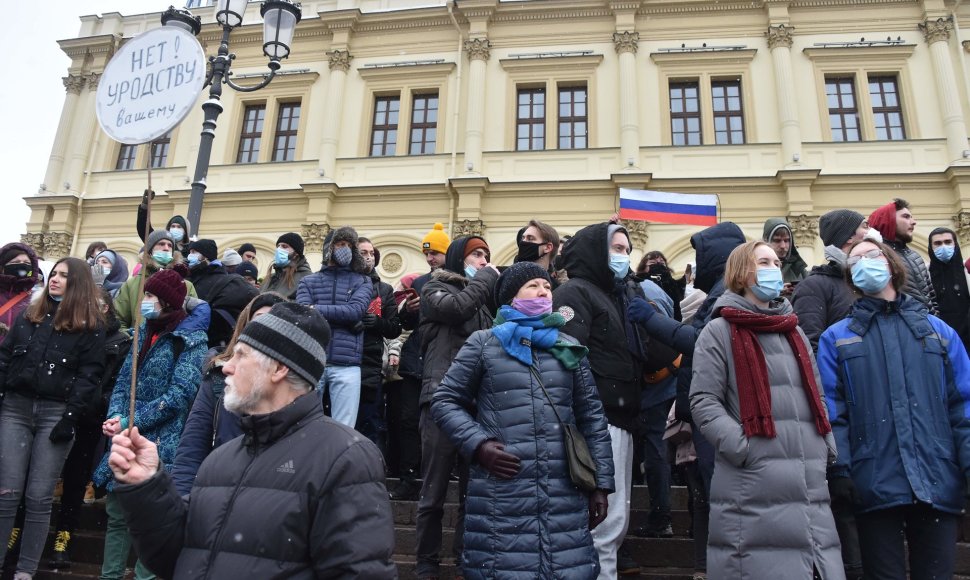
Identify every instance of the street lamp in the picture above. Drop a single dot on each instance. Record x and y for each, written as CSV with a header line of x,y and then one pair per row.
x,y
279,23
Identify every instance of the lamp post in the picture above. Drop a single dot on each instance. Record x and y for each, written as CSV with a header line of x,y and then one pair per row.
x,y
279,23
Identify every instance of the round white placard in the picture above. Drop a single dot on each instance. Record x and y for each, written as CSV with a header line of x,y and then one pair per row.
x,y
150,85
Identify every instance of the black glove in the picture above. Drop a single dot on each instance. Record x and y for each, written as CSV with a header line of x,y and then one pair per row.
x,y
144,197
492,456
598,505
357,328
64,430
682,406
640,311
369,320
842,489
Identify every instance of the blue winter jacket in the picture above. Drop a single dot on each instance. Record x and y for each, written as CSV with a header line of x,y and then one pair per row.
x,y
534,525
341,296
897,386
166,387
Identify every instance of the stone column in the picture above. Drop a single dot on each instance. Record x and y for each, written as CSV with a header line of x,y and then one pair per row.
x,y
626,47
83,134
937,34
779,43
55,164
479,50
333,111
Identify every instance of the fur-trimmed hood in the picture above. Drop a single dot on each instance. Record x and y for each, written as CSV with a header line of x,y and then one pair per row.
x,y
347,234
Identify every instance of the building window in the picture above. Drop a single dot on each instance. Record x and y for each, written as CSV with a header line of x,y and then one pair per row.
x,y
383,139
160,150
424,123
728,112
531,120
685,113
126,157
287,123
843,111
887,112
252,133
573,118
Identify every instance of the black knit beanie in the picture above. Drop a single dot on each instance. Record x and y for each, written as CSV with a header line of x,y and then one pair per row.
x,y
293,240
836,227
515,277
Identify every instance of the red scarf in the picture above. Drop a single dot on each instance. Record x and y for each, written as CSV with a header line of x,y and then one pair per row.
x,y
754,391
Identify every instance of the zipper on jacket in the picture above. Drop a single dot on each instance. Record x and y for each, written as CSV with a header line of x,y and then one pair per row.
x,y
228,512
849,390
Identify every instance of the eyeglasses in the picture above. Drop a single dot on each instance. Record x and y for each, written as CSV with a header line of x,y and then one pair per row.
x,y
870,255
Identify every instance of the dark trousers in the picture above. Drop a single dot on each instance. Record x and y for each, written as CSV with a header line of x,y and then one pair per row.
x,y
655,462
77,473
403,433
370,416
439,459
845,524
930,534
699,475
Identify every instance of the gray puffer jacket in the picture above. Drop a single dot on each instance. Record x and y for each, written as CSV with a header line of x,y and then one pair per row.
x,y
452,308
770,507
534,525
919,285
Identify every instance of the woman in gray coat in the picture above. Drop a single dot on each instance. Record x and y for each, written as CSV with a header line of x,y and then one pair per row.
x,y
524,518
755,395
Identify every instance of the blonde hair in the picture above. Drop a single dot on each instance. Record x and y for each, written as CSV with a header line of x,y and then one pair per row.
x,y
739,265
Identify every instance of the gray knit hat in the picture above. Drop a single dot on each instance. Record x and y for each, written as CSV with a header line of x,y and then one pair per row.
x,y
155,237
293,334
837,226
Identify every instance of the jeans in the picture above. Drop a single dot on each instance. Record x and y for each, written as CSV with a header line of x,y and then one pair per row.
x,y
656,465
25,424
930,534
439,455
77,473
117,545
403,434
342,383
608,536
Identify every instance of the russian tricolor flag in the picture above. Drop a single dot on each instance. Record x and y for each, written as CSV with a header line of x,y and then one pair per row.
x,y
668,208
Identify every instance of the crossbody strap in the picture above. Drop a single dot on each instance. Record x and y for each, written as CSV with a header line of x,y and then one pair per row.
x,y
13,302
535,373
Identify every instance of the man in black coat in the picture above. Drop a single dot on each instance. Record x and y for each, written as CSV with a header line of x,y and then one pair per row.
x,y
950,281
298,496
380,322
594,303
227,294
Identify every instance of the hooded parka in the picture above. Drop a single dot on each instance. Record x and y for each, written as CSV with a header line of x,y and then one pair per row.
x,y
793,267
950,283
16,287
770,507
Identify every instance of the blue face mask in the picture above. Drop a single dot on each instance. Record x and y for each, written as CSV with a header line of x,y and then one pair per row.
x,y
57,298
177,234
470,271
769,285
163,258
620,265
148,309
871,275
945,253
282,257
194,260
343,255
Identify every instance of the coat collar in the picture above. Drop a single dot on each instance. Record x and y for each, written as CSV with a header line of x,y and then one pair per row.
x,y
910,311
264,430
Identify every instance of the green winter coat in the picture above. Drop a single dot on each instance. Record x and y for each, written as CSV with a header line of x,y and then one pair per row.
x,y
128,303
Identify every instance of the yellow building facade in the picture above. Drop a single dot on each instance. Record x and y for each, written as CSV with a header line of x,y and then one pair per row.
x,y
391,115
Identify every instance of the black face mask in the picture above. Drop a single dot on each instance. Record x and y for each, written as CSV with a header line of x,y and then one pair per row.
x,y
18,270
528,251
657,270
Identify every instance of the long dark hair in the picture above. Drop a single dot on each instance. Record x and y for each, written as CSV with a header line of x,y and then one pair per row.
x,y
79,308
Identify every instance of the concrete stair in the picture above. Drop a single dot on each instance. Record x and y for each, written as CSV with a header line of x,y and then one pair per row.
x,y
659,558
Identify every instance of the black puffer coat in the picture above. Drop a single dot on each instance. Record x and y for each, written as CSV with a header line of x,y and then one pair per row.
x,y
227,294
452,308
534,525
412,359
821,300
388,326
918,282
38,361
298,496
950,283
595,315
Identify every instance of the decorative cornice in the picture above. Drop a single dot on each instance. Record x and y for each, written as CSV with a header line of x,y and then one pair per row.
x,y
478,48
626,41
73,83
961,223
339,59
804,228
936,30
579,14
436,72
693,59
568,63
465,228
93,79
693,8
638,231
313,237
855,54
779,36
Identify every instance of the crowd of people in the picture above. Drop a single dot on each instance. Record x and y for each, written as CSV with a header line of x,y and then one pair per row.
x,y
244,424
